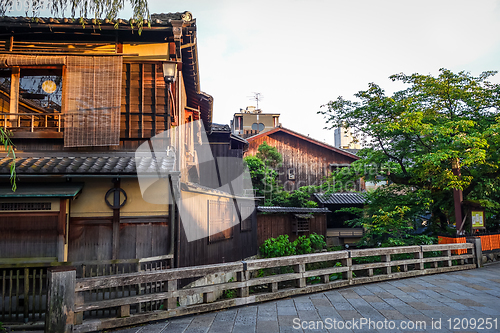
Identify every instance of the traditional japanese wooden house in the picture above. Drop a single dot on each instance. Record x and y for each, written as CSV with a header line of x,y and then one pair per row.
x,y
305,161
79,99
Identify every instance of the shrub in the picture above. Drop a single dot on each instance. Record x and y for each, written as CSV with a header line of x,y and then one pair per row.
x,y
302,245
277,247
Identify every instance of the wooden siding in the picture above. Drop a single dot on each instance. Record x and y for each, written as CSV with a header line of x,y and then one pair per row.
x,y
310,161
144,101
24,235
199,252
92,238
273,225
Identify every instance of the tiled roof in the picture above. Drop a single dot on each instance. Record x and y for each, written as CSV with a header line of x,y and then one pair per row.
x,y
303,137
163,19
340,198
86,164
220,128
266,209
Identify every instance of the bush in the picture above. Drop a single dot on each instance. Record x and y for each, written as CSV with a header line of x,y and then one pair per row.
x,y
317,241
277,247
281,245
302,245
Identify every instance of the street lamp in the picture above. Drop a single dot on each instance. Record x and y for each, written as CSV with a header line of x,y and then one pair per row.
x,y
170,71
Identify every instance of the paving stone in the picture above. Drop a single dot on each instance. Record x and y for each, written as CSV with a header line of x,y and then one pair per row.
x,y
308,315
372,298
392,314
287,311
266,326
304,305
349,314
419,305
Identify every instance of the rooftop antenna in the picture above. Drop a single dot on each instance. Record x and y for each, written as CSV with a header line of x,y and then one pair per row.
x,y
256,97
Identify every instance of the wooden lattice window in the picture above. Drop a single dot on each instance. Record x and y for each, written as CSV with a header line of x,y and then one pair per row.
x,y
25,206
246,212
220,218
301,223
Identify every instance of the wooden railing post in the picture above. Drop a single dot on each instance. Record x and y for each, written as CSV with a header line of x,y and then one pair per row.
x,y
447,262
419,255
242,277
301,282
59,317
347,263
477,251
386,258
171,302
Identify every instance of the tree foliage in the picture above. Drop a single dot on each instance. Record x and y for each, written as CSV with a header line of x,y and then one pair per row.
x,y
9,149
417,133
98,9
263,171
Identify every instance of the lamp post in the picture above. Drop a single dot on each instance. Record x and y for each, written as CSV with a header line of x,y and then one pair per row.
x,y
170,71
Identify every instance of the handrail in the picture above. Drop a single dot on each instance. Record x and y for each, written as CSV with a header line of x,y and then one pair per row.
x,y
419,261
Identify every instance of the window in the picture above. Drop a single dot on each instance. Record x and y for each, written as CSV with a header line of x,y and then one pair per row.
x,y
291,174
301,223
258,127
220,218
246,212
35,90
26,206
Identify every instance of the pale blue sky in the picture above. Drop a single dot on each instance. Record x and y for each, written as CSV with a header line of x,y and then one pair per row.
x,y
299,54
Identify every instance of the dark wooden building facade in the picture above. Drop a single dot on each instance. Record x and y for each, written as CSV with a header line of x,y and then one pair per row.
x,y
292,221
305,161
80,99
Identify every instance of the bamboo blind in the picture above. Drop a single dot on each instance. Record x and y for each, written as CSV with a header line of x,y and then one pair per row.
x,y
9,60
92,101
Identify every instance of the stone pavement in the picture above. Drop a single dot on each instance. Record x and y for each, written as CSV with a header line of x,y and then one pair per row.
x,y
469,298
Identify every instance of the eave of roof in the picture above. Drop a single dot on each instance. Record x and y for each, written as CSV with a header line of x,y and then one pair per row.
x,y
267,209
158,21
303,137
344,198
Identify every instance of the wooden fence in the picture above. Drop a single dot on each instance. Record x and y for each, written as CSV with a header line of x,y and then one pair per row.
x,y
257,281
23,282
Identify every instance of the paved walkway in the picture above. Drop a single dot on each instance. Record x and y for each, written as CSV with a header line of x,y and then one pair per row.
x,y
469,298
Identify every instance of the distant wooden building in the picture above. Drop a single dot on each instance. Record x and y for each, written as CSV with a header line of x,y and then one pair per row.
x,y
339,232
80,99
292,221
305,161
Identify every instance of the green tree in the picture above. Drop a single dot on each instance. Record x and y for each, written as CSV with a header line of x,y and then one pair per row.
x,y
263,171
269,155
417,134
9,149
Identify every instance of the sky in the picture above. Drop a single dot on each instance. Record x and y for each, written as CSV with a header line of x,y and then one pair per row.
x,y
300,54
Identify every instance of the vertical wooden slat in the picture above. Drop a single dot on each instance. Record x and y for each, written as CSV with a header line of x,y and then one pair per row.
x,y
40,287
155,105
16,305
127,108
141,115
10,294
26,293
3,293
34,294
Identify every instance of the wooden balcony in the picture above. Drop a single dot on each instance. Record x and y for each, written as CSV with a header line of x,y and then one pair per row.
x,y
33,125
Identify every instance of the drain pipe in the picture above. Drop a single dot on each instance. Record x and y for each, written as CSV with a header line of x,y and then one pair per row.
x,y
174,218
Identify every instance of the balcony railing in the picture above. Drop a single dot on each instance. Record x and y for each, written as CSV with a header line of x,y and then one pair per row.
x,y
32,121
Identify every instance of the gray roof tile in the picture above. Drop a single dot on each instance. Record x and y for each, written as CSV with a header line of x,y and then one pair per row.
x,y
86,164
266,209
344,198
